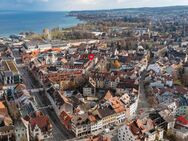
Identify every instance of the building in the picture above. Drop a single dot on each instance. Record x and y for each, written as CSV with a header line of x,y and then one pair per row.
x,y
6,124
7,133
40,128
80,124
10,73
181,127
90,89
147,128
47,33
36,45
98,138
59,102
21,128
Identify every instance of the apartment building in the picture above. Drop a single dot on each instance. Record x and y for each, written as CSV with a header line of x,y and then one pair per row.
x,y
10,73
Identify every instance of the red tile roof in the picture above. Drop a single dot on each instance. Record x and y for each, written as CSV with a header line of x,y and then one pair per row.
x,y
66,119
42,122
182,120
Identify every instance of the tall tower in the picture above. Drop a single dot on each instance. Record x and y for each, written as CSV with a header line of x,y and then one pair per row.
x,y
150,28
46,32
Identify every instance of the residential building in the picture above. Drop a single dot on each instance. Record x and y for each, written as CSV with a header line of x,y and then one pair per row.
x,y
10,73
40,128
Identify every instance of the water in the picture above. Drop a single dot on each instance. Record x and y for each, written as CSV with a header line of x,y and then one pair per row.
x,y
14,22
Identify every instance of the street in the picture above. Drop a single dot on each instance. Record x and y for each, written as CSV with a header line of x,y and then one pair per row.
x,y
143,105
60,133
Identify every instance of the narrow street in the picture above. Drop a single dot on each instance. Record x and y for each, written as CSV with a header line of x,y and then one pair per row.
x,y
60,133
143,105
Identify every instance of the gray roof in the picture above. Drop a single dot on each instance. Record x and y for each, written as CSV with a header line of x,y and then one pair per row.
x,y
8,73
106,111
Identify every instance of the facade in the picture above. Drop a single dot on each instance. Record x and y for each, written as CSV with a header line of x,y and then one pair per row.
x,y
6,124
180,128
7,132
87,124
80,125
182,110
22,130
10,74
36,45
40,128
147,127
125,134
88,91
133,108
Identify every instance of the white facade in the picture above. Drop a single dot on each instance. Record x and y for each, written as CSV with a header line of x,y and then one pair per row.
x,y
22,131
156,135
100,83
157,84
36,132
121,117
112,84
80,130
97,126
120,90
171,105
88,91
154,67
43,47
181,133
169,83
124,134
35,47
107,121
133,108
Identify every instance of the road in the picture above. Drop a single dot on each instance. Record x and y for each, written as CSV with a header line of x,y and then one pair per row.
x,y
143,105
60,133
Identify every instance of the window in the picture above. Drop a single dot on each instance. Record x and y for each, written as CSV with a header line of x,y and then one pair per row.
x,y
45,136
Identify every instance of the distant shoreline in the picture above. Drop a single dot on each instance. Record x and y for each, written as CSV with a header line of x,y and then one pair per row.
x,y
133,8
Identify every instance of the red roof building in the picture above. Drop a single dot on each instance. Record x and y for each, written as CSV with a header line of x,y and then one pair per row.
x,y
182,120
42,122
66,119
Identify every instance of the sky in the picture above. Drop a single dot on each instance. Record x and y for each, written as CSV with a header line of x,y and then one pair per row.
x,y
68,5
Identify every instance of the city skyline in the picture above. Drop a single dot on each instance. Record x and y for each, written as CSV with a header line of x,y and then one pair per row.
x,y
68,5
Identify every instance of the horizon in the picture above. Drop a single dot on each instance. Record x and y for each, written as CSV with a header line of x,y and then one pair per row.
x,y
84,5
151,7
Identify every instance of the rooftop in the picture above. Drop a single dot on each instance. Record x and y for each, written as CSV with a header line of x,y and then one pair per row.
x,y
10,66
